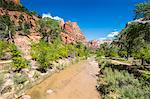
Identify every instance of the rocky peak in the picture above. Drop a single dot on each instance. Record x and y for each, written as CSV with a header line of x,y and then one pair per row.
x,y
72,33
94,44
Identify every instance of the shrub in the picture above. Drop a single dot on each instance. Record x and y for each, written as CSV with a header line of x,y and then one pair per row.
x,y
18,62
36,75
1,80
20,79
3,47
145,77
121,84
6,26
13,7
44,52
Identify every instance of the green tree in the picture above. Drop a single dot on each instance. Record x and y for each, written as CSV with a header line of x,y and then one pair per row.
x,y
18,62
49,28
143,53
142,10
7,27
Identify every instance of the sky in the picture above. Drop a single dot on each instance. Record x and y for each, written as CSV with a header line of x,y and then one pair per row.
x,y
98,19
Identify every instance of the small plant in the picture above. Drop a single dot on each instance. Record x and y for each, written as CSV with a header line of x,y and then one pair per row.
x,y
122,84
3,47
36,75
20,79
18,62
1,80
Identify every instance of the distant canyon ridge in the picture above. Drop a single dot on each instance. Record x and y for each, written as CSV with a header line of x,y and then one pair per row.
x,y
71,32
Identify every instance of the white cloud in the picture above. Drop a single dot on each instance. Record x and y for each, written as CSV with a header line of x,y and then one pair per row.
x,y
113,34
103,38
50,16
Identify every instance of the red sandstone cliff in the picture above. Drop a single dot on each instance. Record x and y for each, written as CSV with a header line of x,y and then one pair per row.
x,y
94,44
72,33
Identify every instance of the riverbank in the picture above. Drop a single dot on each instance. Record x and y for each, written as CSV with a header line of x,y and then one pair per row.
x,y
19,90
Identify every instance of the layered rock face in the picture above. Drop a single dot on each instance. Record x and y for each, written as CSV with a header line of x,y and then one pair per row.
x,y
72,33
20,18
94,44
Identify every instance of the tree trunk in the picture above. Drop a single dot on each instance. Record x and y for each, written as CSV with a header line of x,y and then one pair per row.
x,y
142,63
11,37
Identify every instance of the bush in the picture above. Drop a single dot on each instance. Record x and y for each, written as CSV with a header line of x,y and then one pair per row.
x,y
20,79
44,52
36,75
6,27
3,47
18,62
122,85
1,80
13,7
145,77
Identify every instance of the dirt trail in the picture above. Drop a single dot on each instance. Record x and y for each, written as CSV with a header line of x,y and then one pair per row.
x,y
75,82
119,62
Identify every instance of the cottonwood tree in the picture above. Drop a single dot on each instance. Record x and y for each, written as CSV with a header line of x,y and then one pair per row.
x,y
49,28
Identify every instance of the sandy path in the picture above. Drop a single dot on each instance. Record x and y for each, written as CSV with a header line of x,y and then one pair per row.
x,y
119,62
75,82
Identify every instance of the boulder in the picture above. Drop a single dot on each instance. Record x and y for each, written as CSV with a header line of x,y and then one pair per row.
x,y
26,97
49,91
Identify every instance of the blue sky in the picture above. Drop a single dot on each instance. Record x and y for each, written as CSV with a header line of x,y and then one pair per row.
x,y
96,18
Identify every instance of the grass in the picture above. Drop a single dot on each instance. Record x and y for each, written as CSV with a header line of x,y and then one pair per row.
x,y
1,79
118,82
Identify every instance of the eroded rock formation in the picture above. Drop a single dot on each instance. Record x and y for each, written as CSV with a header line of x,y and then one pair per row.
x,y
72,33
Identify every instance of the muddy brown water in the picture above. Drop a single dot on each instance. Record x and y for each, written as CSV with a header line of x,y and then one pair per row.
x,y
77,81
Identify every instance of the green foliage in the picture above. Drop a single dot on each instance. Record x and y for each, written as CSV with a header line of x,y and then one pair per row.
x,y
107,50
122,53
49,29
36,75
25,27
143,52
103,62
121,84
1,80
45,52
6,26
3,47
18,62
142,10
81,50
133,38
20,79
145,77
136,34
15,52
13,7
